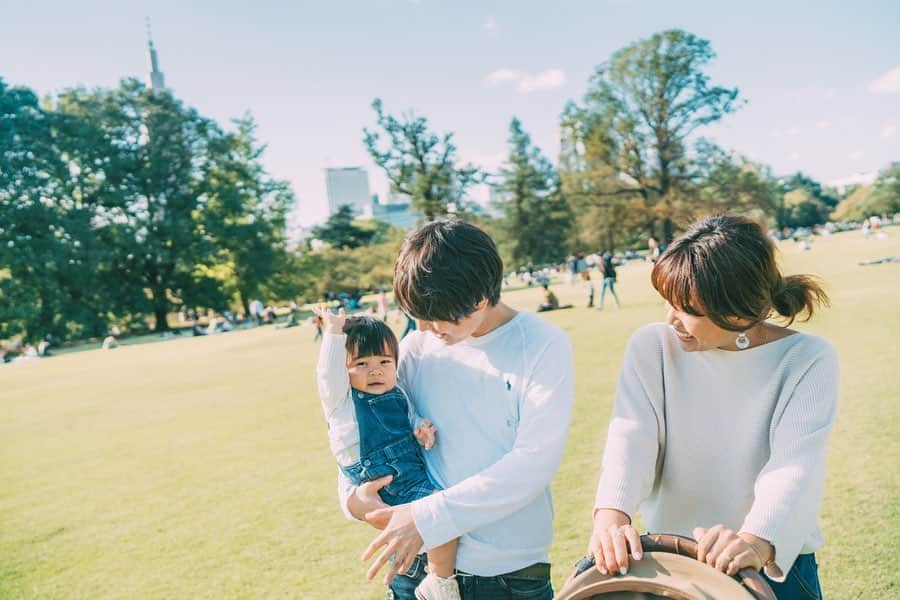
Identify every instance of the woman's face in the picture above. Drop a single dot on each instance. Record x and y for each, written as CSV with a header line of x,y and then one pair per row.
x,y
698,333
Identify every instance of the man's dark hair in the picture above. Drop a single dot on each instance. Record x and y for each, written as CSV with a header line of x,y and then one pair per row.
x,y
368,336
445,269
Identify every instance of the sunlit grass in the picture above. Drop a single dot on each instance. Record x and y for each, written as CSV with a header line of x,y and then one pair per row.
x,y
199,467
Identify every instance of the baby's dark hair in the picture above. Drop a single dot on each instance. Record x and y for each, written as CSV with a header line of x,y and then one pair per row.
x,y
368,336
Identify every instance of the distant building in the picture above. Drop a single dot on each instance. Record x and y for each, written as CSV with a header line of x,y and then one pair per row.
x,y
396,214
157,79
350,186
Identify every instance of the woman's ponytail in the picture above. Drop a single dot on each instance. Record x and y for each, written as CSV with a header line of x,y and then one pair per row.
x,y
798,294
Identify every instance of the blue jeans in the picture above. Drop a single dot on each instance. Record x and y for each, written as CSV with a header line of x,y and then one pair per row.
x,y
474,587
802,581
608,284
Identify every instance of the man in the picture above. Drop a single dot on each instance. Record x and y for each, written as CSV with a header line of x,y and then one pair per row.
x,y
497,384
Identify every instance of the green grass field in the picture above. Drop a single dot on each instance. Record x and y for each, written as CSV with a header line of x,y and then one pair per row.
x,y
199,468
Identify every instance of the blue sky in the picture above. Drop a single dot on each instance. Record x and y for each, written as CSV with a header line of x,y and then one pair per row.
x,y
822,79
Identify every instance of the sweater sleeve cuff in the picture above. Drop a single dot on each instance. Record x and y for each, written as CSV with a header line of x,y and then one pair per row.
x,y
433,520
786,550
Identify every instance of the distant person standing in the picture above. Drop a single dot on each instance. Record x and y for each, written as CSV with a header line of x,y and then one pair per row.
x,y
609,280
256,309
653,246
588,288
319,324
383,305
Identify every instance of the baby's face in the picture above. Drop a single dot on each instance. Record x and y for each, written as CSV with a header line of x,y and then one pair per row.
x,y
373,374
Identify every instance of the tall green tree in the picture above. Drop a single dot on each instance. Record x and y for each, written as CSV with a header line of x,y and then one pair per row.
x,y
642,109
419,163
49,253
537,219
151,158
246,212
341,230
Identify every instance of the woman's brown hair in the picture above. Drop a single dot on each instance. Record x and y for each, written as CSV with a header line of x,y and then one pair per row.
x,y
724,268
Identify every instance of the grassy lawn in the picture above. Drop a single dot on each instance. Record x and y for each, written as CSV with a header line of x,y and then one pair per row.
x,y
199,467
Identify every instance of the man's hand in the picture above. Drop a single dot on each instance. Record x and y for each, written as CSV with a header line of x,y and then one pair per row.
x,y
334,323
365,501
729,552
425,434
400,539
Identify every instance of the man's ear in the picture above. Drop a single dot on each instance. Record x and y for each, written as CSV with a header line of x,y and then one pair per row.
x,y
481,305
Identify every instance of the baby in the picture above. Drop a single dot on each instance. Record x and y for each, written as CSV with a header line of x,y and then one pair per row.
x,y
373,427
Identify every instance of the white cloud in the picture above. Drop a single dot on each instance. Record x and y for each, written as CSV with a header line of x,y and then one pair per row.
x,y
856,155
502,76
888,83
890,130
793,131
777,133
829,93
489,25
547,80
793,156
823,124
527,82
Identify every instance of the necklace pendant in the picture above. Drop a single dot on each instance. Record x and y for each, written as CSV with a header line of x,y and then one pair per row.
x,y
742,340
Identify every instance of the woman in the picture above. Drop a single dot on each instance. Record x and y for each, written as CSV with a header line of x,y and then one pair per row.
x,y
721,419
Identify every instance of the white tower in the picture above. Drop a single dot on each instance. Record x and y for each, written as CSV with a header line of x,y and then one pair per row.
x,y
157,79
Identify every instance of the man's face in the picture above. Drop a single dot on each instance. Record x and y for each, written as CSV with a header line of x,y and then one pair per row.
x,y
452,333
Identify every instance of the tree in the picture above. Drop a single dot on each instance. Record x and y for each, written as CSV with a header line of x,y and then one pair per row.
x,y
420,164
608,215
150,156
246,212
804,202
537,218
340,230
642,108
49,254
880,198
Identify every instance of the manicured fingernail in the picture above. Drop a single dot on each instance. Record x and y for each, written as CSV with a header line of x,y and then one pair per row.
x,y
637,556
623,570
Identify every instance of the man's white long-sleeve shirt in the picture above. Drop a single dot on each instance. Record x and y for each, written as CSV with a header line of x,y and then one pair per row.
x,y
502,404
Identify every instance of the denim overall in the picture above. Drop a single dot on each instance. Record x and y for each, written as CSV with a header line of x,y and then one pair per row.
x,y
387,447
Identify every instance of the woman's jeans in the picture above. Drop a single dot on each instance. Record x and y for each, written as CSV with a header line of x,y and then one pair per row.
x,y
474,587
802,581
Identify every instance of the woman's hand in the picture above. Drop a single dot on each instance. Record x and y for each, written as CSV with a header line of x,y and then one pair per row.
x,y
425,434
334,323
612,540
729,552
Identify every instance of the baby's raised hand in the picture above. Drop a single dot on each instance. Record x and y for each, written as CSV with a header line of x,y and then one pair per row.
x,y
334,323
425,434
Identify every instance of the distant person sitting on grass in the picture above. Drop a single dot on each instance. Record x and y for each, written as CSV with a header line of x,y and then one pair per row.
x,y
551,302
373,427
721,420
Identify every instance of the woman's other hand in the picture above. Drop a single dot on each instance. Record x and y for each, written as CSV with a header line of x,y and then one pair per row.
x,y
612,540
729,552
